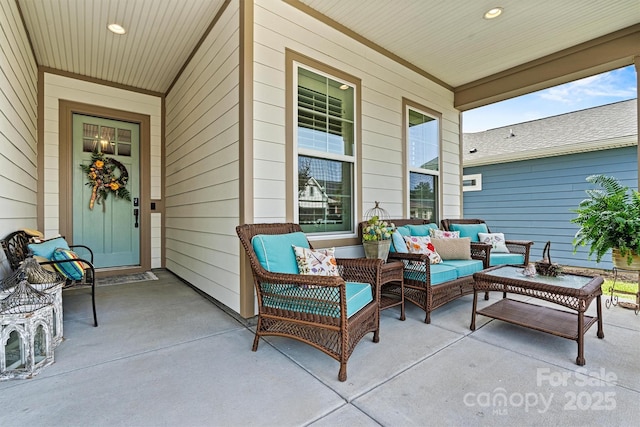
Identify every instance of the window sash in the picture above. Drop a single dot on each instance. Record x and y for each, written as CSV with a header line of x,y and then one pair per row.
x,y
325,136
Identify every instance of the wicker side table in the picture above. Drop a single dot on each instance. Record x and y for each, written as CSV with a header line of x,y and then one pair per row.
x,y
392,286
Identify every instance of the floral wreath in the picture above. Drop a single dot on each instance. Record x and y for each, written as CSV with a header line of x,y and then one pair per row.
x,y
104,180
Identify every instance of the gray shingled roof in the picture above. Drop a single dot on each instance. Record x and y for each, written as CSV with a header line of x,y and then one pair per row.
x,y
599,128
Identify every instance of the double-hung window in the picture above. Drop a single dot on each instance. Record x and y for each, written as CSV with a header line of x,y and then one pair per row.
x,y
423,156
325,135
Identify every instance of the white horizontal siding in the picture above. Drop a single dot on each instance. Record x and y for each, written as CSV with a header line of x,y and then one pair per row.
x,y
18,127
384,83
202,166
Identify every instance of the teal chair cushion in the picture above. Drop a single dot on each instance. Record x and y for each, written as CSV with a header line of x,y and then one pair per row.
x,y
310,300
501,259
469,230
46,248
420,230
465,267
275,251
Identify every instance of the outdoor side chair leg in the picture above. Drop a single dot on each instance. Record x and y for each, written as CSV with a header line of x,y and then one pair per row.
x,y
93,294
93,302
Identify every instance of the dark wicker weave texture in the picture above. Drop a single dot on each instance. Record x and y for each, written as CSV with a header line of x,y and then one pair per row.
x,y
320,318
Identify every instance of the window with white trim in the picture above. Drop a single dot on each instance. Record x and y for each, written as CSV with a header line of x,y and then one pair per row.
x,y
423,145
325,136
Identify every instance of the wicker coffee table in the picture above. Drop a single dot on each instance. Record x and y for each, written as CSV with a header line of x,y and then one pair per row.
x,y
569,290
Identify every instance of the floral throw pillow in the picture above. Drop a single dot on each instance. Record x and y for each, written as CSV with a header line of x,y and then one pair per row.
x,y
496,240
319,262
423,245
440,234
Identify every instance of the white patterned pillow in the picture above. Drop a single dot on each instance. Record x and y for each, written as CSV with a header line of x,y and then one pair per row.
x,y
422,245
441,234
319,262
496,240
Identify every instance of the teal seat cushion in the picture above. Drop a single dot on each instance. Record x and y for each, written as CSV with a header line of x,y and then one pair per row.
x,y
46,248
314,300
501,259
275,251
421,230
469,230
441,273
465,267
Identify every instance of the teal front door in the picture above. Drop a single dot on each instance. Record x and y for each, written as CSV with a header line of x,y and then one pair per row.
x,y
103,218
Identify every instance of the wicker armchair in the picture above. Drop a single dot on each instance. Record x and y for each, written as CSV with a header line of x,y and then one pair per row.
x,y
417,276
16,250
309,308
519,247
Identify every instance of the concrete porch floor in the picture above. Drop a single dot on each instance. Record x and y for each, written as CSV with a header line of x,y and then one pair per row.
x,y
164,355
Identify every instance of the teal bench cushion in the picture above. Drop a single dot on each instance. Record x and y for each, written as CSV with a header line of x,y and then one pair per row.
x,y
440,273
313,300
46,248
469,230
397,239
73,270
501,259
421,230
275,251
465,267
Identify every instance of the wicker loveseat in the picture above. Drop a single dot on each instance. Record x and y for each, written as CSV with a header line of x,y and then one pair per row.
x,y
518,250
427,285
330,313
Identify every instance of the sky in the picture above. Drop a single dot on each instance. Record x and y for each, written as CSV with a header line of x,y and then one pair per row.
x,y
606,88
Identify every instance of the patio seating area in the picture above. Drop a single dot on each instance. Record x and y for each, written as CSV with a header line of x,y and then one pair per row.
x,y
165,355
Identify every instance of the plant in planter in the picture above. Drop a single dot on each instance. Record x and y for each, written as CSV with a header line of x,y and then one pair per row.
x,y
376,238
609,219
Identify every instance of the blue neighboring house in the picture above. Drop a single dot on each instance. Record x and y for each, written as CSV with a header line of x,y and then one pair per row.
x,y
524,179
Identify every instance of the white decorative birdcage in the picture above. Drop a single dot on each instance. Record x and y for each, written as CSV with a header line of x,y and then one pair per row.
x,y
26,335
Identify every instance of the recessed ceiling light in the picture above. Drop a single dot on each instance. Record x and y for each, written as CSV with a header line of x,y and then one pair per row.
x,y
493,13
116,29
344,87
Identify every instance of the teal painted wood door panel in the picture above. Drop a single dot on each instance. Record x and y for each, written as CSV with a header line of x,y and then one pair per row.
x,y
110,229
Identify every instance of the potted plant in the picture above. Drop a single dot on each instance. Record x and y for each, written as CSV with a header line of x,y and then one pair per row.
x,y
610,219
376,238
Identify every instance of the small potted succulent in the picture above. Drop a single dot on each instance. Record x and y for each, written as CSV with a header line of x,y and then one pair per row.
x,y
376,237
610,219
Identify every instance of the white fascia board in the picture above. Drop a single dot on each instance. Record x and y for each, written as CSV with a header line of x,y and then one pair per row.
x,y
602,144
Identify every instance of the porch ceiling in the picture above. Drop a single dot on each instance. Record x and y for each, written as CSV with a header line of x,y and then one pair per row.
x,y
449,41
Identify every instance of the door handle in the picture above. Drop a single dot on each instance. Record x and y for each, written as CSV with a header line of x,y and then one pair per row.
x,y
135,214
